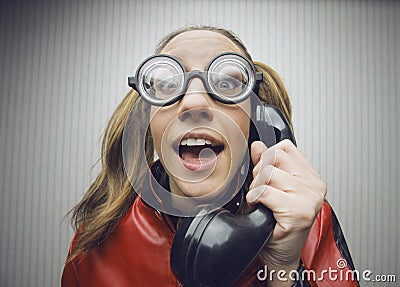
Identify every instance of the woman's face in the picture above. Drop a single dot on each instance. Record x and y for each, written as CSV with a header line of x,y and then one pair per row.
x,y
200,141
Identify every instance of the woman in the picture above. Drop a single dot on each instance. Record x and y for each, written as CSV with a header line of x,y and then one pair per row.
x,y
124,240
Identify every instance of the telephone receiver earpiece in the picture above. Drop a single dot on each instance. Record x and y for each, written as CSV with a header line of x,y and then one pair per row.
x,y
216,247
269,125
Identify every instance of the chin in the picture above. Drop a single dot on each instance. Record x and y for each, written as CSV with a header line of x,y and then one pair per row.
x,y
208,188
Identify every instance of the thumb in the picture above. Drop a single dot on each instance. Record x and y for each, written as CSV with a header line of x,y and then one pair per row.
x,y
256,150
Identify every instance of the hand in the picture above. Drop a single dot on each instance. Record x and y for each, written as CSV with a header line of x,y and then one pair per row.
x,y
286,183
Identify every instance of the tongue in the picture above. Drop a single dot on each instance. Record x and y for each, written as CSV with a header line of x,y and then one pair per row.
x,y
197,153
198,158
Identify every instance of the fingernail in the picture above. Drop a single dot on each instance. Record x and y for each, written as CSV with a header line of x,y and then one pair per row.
x,y
255,194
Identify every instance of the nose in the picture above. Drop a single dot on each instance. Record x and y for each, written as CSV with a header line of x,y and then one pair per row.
x,y
195,105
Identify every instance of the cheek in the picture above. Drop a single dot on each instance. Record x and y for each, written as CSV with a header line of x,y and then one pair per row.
x,y
241,116
244,124
240,137
157,128
238,129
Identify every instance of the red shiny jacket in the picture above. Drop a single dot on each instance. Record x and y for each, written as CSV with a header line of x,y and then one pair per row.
x,y
138,254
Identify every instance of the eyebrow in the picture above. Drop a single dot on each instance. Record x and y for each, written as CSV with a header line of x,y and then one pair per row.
x,y
179,58
182,61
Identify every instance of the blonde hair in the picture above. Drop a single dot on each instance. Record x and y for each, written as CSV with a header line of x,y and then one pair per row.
x,y
111,195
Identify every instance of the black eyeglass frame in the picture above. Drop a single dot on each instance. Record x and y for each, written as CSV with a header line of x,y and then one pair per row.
x,y
134,83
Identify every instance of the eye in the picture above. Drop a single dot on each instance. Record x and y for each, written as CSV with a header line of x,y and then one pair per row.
x,y
227,83
164,83
166,86
227,79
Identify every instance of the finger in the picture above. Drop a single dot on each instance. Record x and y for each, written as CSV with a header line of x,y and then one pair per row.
x,y
267,195
287,157
277,178
287,182
284,205
262,176
273,157
288,147
257,148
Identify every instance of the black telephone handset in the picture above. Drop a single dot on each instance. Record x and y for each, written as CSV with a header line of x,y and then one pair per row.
x,y
217,248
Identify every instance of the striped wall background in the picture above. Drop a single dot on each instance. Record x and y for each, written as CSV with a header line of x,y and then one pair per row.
x,y
64,68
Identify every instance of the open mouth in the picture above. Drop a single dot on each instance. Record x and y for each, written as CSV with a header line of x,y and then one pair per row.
x,y
199,154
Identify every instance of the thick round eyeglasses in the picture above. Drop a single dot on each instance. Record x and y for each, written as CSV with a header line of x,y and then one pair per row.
x,y
162,80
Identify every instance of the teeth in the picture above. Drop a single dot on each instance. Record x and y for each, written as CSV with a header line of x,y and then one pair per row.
x,y
200,141
195,142
191,142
